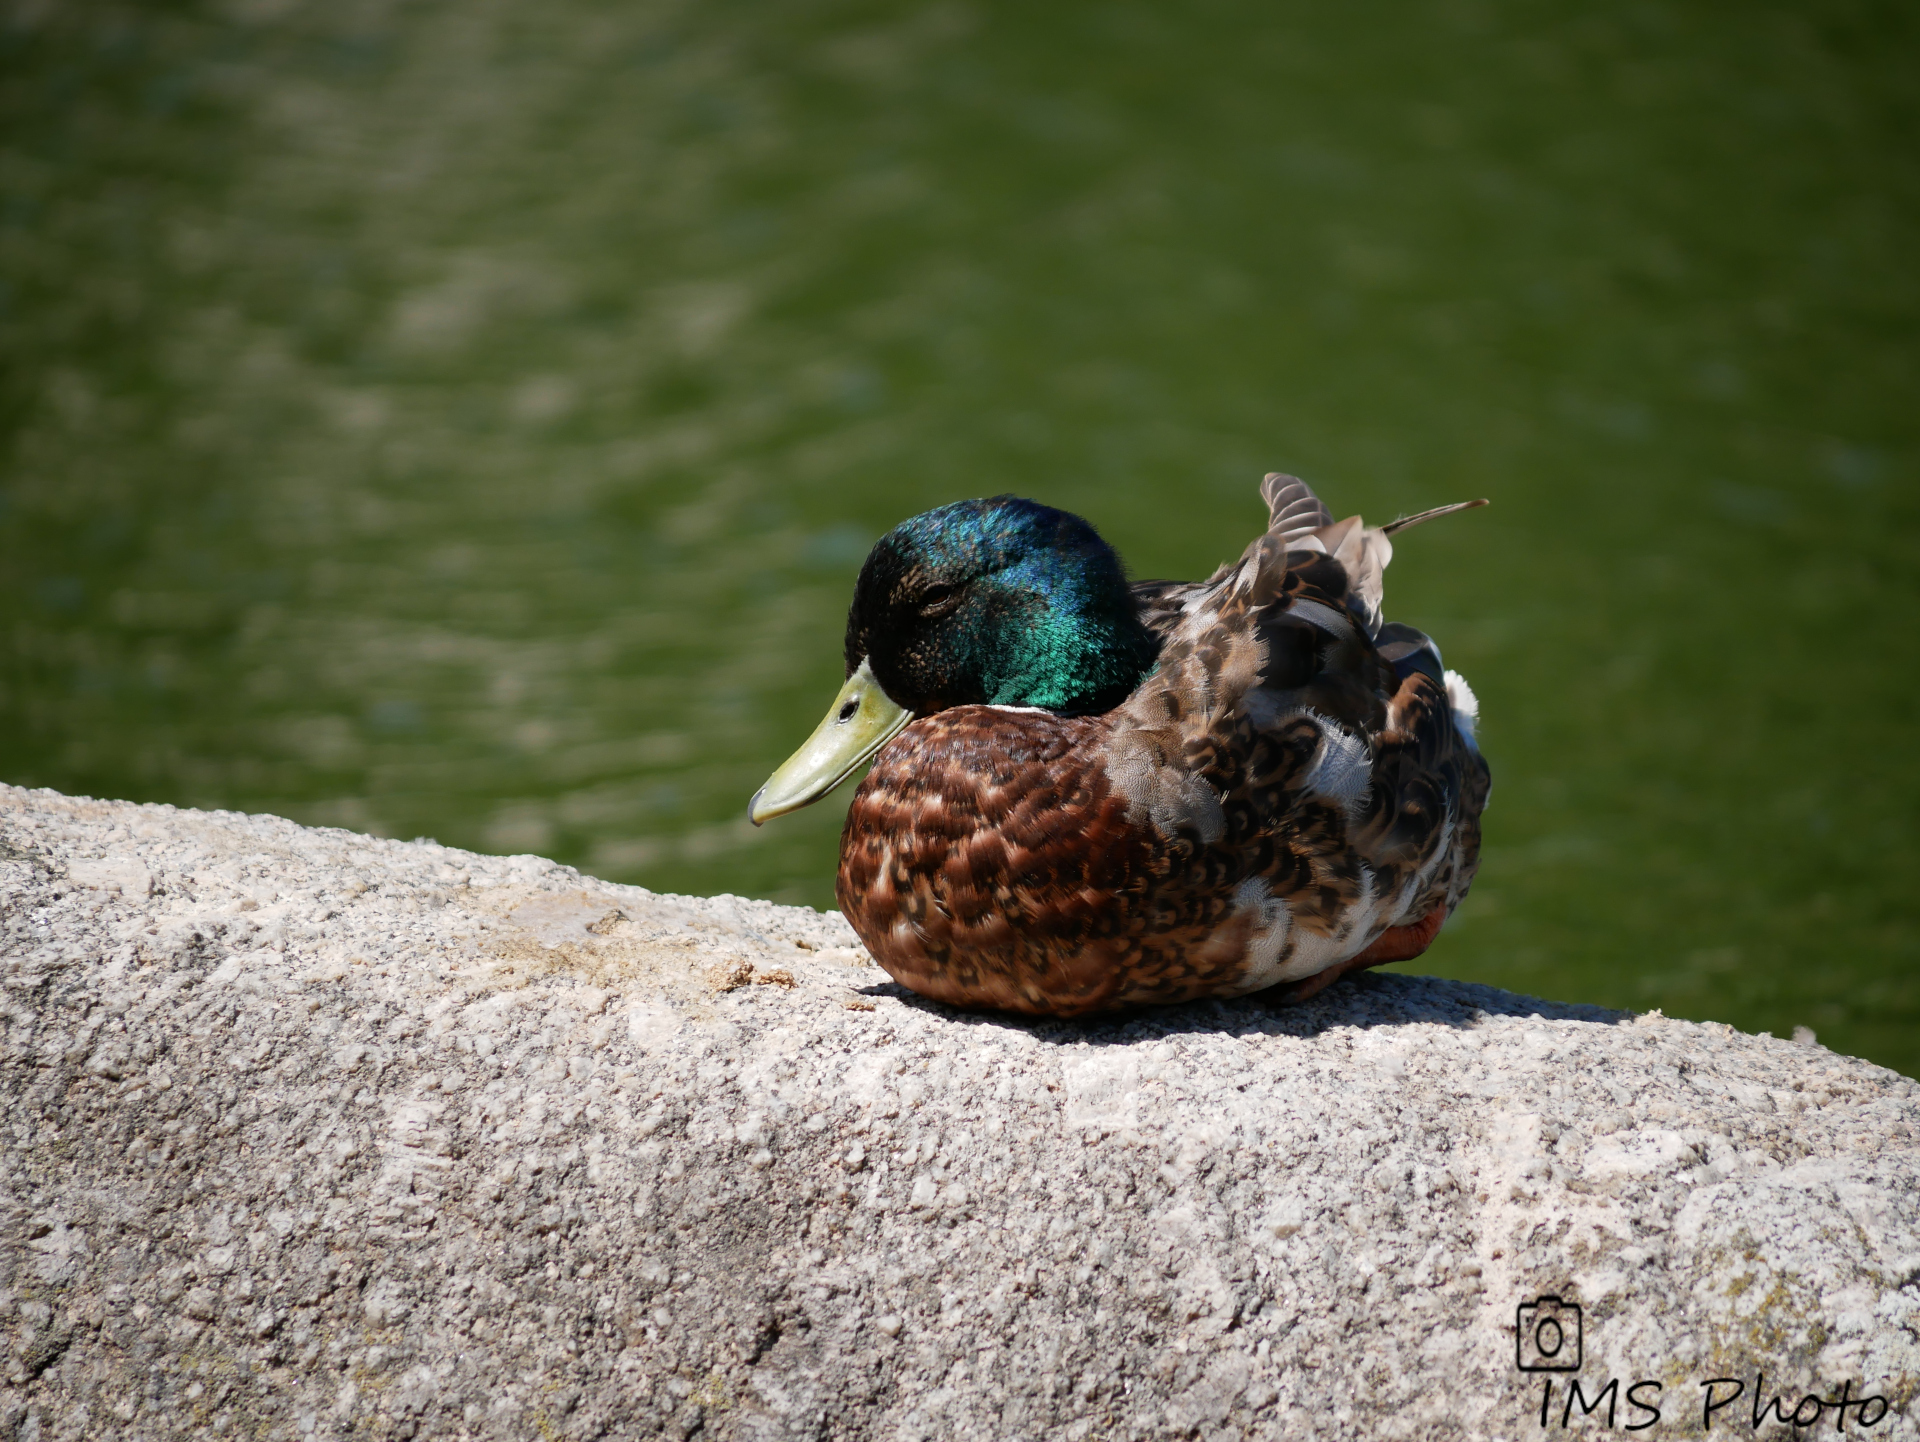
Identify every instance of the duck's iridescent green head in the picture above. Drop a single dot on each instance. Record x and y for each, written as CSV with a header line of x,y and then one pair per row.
x,y
1001,602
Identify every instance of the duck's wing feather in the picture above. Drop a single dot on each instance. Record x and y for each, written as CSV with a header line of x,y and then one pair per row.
x,y
1301,519
1294,514
1323,782
1161,604
1293,510
1302,522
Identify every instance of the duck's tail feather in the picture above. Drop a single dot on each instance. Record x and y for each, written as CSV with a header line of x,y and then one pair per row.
x,y
1365,552
1301,521
1420,518
1293,510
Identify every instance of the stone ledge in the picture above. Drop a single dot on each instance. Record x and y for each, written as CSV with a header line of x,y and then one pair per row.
x,y
311,1134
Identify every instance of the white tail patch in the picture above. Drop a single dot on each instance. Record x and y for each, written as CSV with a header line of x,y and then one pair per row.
x,y
1466,707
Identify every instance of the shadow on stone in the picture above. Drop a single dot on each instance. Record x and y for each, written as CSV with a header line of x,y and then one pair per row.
x,y
1370,1000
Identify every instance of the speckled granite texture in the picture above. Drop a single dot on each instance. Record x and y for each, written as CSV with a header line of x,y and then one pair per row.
x,y
312,1135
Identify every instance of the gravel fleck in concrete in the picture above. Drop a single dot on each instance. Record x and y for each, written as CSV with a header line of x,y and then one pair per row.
x,y
312,1135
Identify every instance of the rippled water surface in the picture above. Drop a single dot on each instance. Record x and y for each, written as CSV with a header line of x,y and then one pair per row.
x,y
466,419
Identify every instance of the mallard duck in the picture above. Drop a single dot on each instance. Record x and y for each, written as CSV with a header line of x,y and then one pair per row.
x,y
1088,795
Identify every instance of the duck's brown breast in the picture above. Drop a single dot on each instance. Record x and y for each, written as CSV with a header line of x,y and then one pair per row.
x,y
987,861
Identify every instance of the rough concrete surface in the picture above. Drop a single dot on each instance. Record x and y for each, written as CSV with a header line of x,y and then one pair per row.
x,y
310,1134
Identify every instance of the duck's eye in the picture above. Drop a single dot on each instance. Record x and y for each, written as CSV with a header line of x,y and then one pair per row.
x,y
936,600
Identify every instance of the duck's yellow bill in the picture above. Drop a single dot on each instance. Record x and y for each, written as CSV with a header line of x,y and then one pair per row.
x,y
863,719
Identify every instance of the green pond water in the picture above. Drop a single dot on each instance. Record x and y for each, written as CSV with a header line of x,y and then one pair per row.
x,y
467,419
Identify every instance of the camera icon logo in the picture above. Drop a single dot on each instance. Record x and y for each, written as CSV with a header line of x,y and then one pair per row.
x,y
1547,1335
